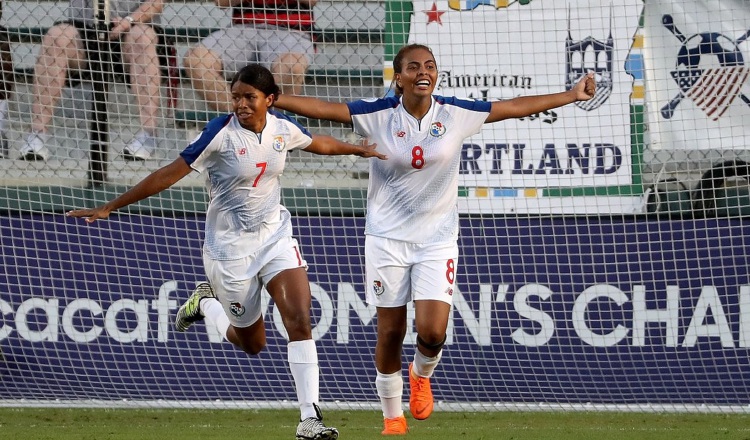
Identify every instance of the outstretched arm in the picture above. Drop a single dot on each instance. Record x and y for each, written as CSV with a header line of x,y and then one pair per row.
x,y
330,146
154,183
314,108
528,105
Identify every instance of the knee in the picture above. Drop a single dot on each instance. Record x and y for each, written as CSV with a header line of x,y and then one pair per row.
x,y
431,339
191,58
298,328
392,335
61,36
251,340
290,63
253,347
199,58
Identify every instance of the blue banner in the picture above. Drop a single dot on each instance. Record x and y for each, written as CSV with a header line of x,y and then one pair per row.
x,y
558,310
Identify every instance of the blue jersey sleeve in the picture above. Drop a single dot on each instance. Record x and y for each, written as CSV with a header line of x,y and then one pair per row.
x,y
466,104
214,126
362,107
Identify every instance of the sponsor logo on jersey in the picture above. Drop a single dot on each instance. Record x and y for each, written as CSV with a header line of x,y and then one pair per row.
x,y
377,287
449,291
237,309
401,134
437,129
279,143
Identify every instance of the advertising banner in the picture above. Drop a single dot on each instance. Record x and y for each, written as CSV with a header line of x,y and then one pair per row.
x,y
697,88
497,50
557,310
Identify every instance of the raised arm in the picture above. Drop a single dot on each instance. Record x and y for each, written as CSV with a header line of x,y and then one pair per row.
x,y
528,105
314,108
154,183
330,146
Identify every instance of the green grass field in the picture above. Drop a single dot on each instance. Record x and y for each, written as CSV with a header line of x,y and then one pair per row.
x,y
171,424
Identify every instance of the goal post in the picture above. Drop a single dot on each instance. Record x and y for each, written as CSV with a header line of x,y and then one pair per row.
x,y
603,245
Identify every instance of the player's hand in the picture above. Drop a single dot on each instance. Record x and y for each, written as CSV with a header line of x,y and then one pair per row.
x,y
586,87
368,150
91,215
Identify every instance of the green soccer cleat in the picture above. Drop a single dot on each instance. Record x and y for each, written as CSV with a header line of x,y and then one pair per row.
x,y
190,311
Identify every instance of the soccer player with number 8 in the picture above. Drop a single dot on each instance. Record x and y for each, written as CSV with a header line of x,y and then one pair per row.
x,y
411,244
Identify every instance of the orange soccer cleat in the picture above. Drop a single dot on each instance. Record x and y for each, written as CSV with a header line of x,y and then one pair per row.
x,y
420,400
395,426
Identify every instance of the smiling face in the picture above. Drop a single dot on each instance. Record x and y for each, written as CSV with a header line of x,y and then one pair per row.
x,y
250,105
418,75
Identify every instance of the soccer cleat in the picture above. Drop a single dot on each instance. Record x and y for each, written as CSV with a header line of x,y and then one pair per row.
x,y
190,311
140,148
33,149
312,428
395,426
420,400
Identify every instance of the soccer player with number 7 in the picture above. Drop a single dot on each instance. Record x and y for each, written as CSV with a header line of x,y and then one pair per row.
x,y
249,242
411,244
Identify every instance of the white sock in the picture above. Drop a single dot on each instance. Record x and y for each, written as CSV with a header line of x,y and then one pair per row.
x,y
3,115
214,314
424,366
303,361
390,390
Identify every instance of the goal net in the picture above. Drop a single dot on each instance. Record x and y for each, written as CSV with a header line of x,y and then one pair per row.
x,y
603,248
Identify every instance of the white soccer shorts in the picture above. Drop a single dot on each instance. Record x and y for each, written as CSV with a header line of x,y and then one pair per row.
x,y
238,284
397,272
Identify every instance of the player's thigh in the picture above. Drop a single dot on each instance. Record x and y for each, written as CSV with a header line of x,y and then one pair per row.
x,y
237,288
433,275
387,272
433,280
285,276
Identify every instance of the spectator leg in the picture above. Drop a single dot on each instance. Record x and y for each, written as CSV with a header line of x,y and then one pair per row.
x,y
206,75
139,53
289,71
61,49
6,87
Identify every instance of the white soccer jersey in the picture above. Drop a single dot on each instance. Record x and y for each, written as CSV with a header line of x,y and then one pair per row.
x,y
413,195
242,178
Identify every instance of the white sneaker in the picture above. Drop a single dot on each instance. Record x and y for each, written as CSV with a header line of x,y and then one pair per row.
x,y
312,428
140,148
33,149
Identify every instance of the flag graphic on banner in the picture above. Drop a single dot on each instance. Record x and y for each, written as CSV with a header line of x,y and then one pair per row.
x,y
715,89
709,70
